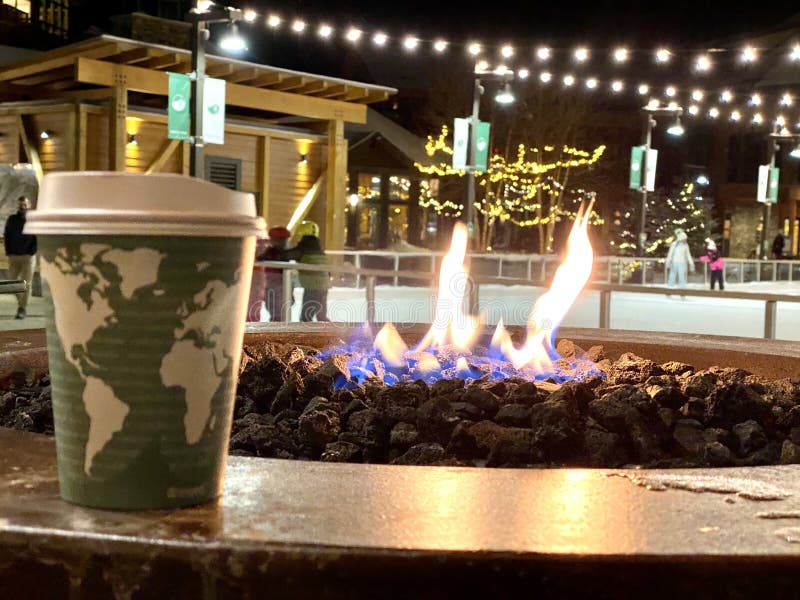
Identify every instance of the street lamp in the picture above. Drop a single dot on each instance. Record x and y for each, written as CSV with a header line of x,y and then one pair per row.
x,y
774,139
203,13
651,111
505,97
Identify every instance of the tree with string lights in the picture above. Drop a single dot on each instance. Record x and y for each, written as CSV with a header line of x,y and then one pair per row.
x,y
529,189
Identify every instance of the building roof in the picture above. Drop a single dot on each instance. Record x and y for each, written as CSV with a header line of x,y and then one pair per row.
x,y
410,145
62,72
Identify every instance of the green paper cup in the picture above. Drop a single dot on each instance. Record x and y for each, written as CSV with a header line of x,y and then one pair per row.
x,y
146,281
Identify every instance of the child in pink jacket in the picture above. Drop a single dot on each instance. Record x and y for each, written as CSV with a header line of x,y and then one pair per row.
x,y
715,263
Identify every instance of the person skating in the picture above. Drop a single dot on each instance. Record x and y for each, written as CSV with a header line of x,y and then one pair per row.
x,y
276,251
715,263
777,247
679,259
21,252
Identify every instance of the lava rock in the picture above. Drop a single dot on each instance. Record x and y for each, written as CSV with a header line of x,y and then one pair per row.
x,y
317,384
405,394
341,452
484,400
632,369
464,410
287,396
557,428
690,437
318,427
320,403
513,415
335,367
695,408
474,440
421,454
447,388
355,405
403,435
723,436
717,455
669,396
790,453
244,406
401,414
669,417
736,403
262,379
514,448
603,448
526,393
783,392
700,385
596,353
751,437
676,368
768,455
436,420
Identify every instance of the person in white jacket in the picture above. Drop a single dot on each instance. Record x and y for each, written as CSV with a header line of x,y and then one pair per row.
x,y
679,259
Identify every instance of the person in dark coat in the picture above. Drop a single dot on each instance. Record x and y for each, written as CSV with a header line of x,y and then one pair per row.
x,y
276,251
777,246
21,251
315,284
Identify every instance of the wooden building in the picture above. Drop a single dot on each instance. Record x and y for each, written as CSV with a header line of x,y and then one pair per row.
x,y
101,105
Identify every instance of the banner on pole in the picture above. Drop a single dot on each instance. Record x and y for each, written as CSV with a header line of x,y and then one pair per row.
x,y
213,111
482,146
650,166
774,184
178,117
460,143
763,181
637,160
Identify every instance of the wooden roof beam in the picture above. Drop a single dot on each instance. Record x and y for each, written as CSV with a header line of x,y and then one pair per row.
x,y
242,75
266,80
163,61
355,94
332,91
42,65
133,56
290,83
312,87
373,96
101,73
48,76
219,70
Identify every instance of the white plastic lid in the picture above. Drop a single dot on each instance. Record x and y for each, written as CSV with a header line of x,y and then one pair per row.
x,y
99,202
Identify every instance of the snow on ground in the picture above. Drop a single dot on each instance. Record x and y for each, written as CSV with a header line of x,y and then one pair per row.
x,y
649,312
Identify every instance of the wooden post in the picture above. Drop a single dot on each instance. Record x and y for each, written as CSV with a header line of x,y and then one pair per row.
x,y
262,174
80,138
337,181
117,130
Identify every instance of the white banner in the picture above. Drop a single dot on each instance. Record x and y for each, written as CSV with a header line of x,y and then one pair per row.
x,y
460,143
213,111
763,182
650,175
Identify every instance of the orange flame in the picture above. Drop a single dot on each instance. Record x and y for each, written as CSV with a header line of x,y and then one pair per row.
x,y
452,325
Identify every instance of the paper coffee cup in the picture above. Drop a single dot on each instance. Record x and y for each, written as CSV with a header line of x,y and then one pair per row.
x,y
146,281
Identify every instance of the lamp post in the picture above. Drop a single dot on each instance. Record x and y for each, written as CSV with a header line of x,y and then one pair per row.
x,y
676,129
774,140
199,17
504,96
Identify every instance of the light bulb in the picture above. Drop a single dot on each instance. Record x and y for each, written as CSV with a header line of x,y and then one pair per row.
x,y
505,95
755,100
786,99
274,21
726,96
543,53
694,110
410,43
736,115
749,54
663,55
250,15
617,86
644,89
591,83
703,63
713,112
507,51
523,73
325,31
569,80
621,55
299,26
474,48
670,91
482,66
231,41
440,45
545,77
795,54
353,35
581,54
697,95
758,119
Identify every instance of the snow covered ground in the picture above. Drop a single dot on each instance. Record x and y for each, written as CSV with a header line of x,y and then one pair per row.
x,y
656,312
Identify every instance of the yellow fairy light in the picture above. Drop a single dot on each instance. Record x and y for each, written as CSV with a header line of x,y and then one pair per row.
x,y
581,54
325,31
299,26
274,21
543,53
591,83
758,118
703,63
697,95
617,86
507,51
787,100
410,43
726,96
354,34
749,54
621,55
250,16
736,115
663,55
569,80
379,39
670,91
440,45
643,89
474,48
545,77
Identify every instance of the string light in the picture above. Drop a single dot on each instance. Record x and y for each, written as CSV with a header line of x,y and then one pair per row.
x,y
591,83
354,34
617,86
410,43
726,96
569,80
621,55
250,16
474,48
713,112
507,51
543,53
653,103
581,54
274,21
736,116
672,105
483,66
758,119
670,91
643,89
663,55
795,54
440,45
787,100
545,77
780,121
703,63
379,39
299,26
325,31
523,73
755,100
694,110
749,54
697,95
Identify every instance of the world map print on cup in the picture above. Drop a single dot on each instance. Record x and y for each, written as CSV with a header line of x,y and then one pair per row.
x,y
144,337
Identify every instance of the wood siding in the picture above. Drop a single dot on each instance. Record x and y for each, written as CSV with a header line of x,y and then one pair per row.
x,y
290,179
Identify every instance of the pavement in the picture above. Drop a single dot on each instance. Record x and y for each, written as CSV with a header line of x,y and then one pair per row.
x,y
8,308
